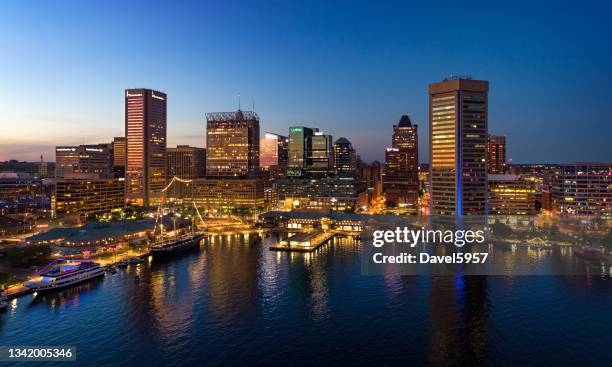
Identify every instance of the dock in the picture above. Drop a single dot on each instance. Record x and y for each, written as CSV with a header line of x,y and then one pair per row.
x,y
305,241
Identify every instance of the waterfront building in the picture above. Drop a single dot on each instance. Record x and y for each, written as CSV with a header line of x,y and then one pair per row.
x,y
229,195
273,151
401,177
186,163
511,195
88,195
145,139
232,144
345,158
583,189
458,130
325,193
83,159
496,154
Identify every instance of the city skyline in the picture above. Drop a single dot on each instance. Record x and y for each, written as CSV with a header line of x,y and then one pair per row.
x,y
352,81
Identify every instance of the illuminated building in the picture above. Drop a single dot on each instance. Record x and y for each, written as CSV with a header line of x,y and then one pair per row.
x,y
583,189
458,110
43,169
232,144
119,151
321,154
372,175
345,158
273,151
300,144
326,193
145,135
511,195
186,163
229,194
496,154
83,159
401,179
88,195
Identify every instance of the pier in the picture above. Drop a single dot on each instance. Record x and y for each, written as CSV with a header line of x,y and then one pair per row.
x,y
305,241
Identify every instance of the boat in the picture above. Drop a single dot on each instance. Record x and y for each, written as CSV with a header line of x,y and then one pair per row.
x,y
3,303
588,253
176,244
63,273
123,263
136,260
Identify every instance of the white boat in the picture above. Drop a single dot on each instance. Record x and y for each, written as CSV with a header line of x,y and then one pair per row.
x,y
63,273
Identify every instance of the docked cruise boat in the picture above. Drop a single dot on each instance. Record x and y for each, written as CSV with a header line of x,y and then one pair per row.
x,y
64,273
176,244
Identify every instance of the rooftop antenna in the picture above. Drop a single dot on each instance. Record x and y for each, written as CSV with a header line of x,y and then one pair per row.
x,y
253,105
239,102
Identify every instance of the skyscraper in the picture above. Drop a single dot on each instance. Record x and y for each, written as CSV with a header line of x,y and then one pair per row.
x,y
345,159
232,144
321,154
458,129
145,135
401,180
496,151
273,151
300,144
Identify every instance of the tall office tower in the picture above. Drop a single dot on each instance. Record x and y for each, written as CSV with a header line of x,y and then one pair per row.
x,y
145,136
321,154
401,181
232,144
345,158
273,151
186,162
458,146
83,159
300,143
496,151
119,151
583,189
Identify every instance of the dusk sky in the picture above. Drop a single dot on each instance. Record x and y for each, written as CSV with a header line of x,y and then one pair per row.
x,y
349,68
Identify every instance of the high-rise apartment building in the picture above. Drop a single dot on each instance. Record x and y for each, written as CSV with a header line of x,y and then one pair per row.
x,y
145,138
232,144
496,154
273,151
345,158
583,189
458,130
83,159
401,180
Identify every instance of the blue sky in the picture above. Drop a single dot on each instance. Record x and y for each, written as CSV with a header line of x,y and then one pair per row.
x,y
349,68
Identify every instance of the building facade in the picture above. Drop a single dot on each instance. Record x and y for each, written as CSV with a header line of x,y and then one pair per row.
x,y
273,151
145,139
496,154
84,197
511,195
458,130
229,194
345,158
119,151
583,189
401,177
83,159
232,144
